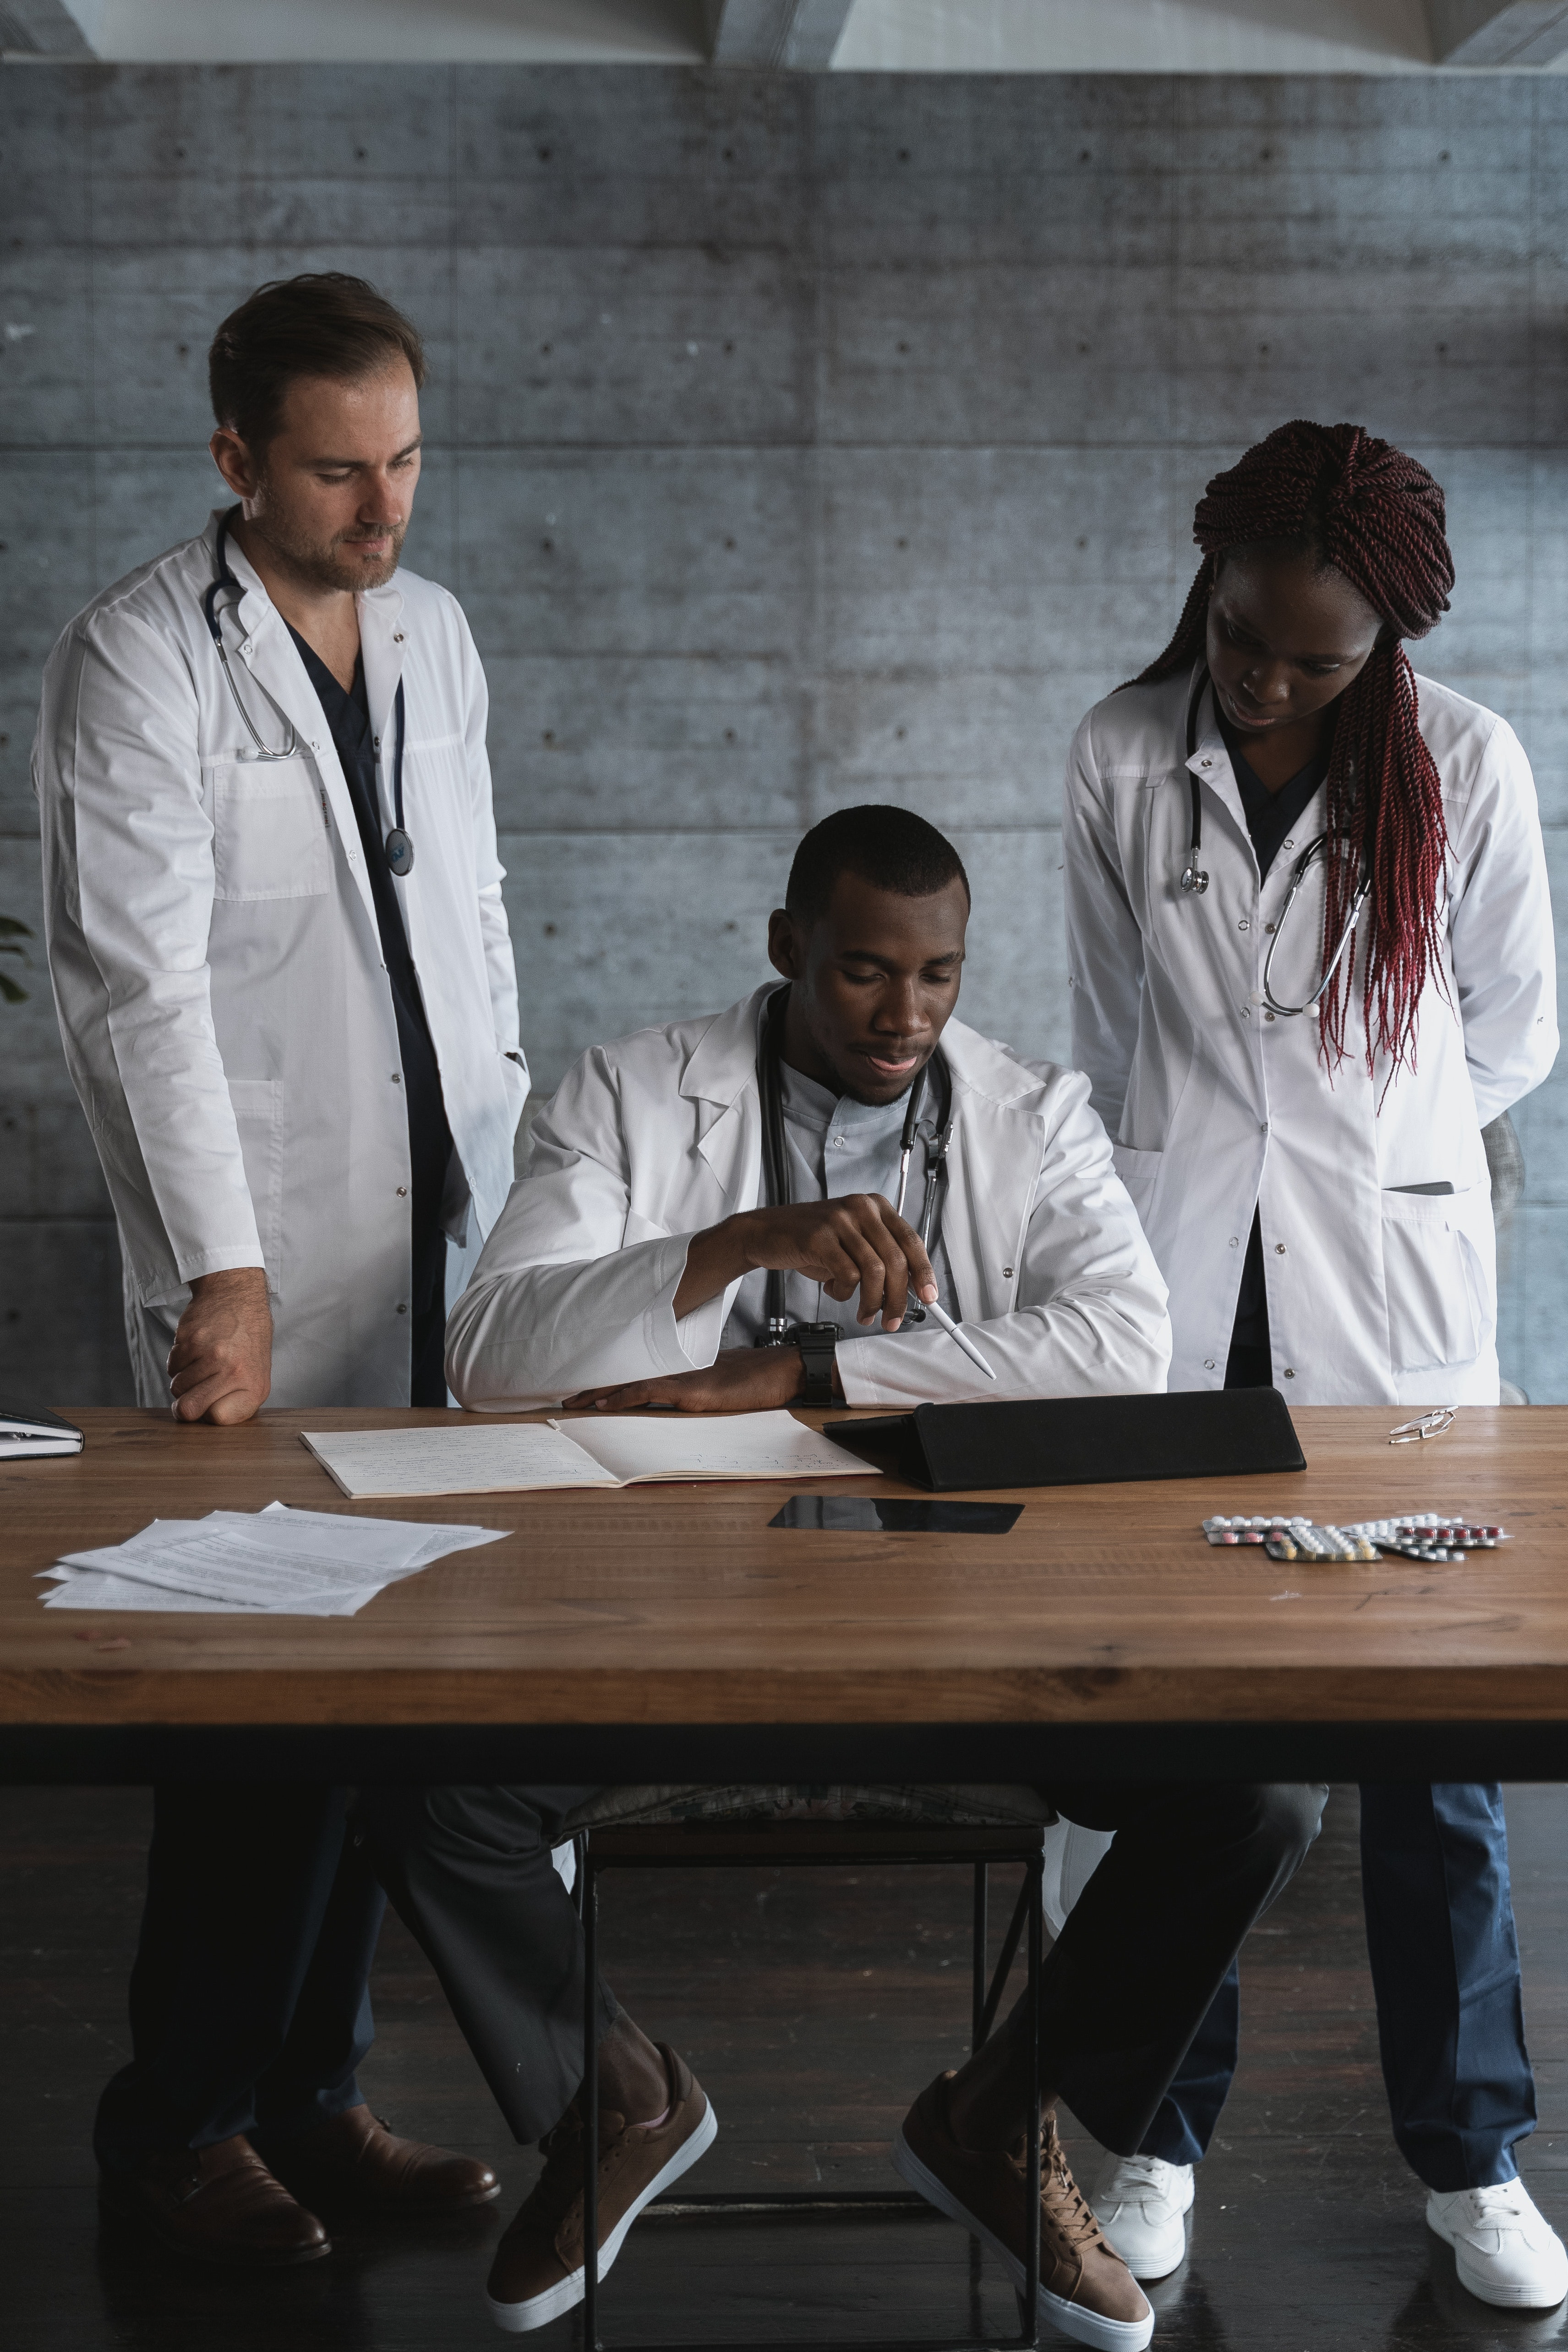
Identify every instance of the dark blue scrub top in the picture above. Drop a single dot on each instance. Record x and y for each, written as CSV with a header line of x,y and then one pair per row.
x,y
429,1137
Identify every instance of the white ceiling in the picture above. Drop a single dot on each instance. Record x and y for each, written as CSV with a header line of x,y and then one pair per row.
x,y
896,35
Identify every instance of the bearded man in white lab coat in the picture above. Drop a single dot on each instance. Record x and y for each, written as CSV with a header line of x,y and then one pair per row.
x,y
287,1001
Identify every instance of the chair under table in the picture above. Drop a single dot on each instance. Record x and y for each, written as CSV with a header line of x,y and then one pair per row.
x,y
796,1826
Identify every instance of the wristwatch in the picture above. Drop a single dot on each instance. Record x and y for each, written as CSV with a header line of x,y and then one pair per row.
x,y
816,1342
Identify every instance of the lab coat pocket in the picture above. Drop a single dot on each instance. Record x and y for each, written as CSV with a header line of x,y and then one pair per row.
x,y
258,1116
638,1228
269,831
1435,1249
1140,1172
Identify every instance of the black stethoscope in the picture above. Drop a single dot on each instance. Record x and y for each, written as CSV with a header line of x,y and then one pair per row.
x,y
399,847
1195,881
775,1165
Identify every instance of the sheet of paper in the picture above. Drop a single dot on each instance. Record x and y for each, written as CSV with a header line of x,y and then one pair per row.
x,y
712,1445
502,1457
298,1563
91,1588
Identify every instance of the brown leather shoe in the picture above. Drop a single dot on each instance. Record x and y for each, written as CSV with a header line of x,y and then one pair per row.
x,y
355,2162
538,2269
1086,2289
217,2205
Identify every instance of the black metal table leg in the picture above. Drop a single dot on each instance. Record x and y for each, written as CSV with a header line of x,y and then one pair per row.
x,y
981,1947
1035,1886
590,2100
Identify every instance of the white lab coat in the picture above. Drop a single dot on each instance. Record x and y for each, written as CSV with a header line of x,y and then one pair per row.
x,y
217,972
652,1139
1377,1295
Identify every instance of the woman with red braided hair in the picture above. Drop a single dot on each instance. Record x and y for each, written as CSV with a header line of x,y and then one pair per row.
x,y
1310,953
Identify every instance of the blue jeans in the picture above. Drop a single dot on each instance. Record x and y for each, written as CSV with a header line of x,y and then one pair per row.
x,y
1445,1966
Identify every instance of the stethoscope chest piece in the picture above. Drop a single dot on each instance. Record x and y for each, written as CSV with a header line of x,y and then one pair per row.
x,y
1192,878
399,852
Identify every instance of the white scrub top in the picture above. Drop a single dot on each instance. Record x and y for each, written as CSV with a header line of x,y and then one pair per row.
x,y
1376,1293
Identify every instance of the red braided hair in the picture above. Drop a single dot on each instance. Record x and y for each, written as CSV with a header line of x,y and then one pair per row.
x,y
1363,508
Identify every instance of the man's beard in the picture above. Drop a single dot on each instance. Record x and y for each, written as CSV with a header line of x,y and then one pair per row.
x,y
327,563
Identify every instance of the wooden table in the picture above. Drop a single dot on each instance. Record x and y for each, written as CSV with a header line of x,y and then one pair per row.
x,y
669,1632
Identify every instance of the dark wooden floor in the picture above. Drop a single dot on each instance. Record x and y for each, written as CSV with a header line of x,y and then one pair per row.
x,y
812,2006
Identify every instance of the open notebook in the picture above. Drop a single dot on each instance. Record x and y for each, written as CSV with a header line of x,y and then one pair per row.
x,y
509,1456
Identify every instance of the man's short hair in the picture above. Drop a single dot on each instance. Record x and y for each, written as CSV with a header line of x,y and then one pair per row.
x,y
323,324
891,848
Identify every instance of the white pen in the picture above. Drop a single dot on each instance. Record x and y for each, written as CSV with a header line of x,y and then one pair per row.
x,y
951,1328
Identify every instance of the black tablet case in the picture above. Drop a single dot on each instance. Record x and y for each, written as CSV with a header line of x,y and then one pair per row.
x,y
1081,1441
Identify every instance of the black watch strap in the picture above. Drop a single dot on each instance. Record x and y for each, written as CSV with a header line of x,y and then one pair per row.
x,y
817,1343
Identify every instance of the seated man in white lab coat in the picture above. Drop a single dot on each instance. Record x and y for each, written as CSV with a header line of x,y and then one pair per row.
x,y
648,1250
631,1266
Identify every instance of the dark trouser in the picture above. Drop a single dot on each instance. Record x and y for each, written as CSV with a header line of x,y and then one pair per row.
x,y
1445,1966
249,2000
1126,1984
469,1875
1147,1948
427,1340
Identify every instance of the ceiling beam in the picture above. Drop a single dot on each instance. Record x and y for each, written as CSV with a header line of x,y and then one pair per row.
x,y
797,35
41,28
1482,33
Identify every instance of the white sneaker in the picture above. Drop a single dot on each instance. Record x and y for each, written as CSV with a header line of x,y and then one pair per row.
x,y
1504,2251
1140,2204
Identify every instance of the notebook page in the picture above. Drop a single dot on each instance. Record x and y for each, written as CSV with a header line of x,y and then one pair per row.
x,y
712,1445
502,1457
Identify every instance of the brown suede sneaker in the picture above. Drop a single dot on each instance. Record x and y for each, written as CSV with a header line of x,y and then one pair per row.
x,y
1086,2290
218,2205
538,2269
355,2162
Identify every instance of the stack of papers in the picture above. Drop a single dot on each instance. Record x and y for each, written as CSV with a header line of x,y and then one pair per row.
x,y
276,1561
511,1457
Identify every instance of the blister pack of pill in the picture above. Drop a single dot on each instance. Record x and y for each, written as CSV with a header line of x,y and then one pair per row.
x,y
1254,1529
1431,1534
1413,1535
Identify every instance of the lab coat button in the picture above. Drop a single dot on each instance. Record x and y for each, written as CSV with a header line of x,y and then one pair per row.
x,y
403,1191
1289,1373
398,636
1205,763
1269,1016
1235,1241
1007,1272
1279,1249
397,1078
402,1307
1208,1363
1244,925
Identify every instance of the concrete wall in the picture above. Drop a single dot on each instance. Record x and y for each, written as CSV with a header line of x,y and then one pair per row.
x,y
794,441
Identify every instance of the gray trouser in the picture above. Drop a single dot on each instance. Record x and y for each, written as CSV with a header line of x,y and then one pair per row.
x,y
468,1872
1126,1985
